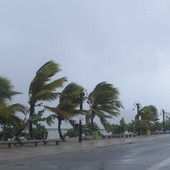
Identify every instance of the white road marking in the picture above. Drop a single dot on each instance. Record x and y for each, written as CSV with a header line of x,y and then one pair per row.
x,y
160,165
126,160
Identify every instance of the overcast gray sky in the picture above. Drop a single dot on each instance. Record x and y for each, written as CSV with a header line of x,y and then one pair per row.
x,y
123,42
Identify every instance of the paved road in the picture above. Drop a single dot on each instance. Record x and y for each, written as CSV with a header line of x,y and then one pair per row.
x,y
153,154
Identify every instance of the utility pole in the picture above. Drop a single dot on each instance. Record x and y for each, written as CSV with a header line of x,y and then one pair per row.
x,y
163,111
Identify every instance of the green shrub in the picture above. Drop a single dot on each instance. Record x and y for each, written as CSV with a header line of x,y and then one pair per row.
x,y
7,133
40,132
72,132
12,132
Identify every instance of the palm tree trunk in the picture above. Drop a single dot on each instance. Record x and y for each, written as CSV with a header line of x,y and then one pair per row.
x,y
92,122
59,129
30,124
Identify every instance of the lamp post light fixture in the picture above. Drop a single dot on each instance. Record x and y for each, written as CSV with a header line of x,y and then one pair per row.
x,y
138,106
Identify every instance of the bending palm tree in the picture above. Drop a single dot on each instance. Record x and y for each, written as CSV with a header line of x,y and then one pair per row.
x,y
69,101
41,89
7,111
104,103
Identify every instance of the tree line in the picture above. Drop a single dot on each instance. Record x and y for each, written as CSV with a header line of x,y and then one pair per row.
x,y
103,102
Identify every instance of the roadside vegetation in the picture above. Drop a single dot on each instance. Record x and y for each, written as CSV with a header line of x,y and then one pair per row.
x,y
21,121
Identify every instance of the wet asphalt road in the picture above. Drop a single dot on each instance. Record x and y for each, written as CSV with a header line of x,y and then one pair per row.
x,y
151,154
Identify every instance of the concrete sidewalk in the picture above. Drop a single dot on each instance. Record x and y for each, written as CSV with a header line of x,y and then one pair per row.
x,y
72,145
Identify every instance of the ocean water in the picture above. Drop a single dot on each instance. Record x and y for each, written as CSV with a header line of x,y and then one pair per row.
x,y
53,133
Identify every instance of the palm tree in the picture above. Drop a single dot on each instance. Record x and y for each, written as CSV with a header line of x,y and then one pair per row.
x,y
149,113
9,117
8,111
6,94
104,103
68,102
42,88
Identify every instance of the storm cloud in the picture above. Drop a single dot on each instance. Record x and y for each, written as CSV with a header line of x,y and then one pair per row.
x,y
125,43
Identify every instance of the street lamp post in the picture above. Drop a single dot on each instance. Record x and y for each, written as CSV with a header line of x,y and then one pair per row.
x,y
80,119
163,120
138,116
138,105
80,130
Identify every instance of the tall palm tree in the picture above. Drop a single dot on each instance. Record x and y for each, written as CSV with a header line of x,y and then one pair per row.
x,y
104,103
68,102
42,88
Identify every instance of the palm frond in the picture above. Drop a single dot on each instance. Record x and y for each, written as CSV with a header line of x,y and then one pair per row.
x,y
50,119
45,95
55,84
48,70
17,107
6,89
43,75
5,113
